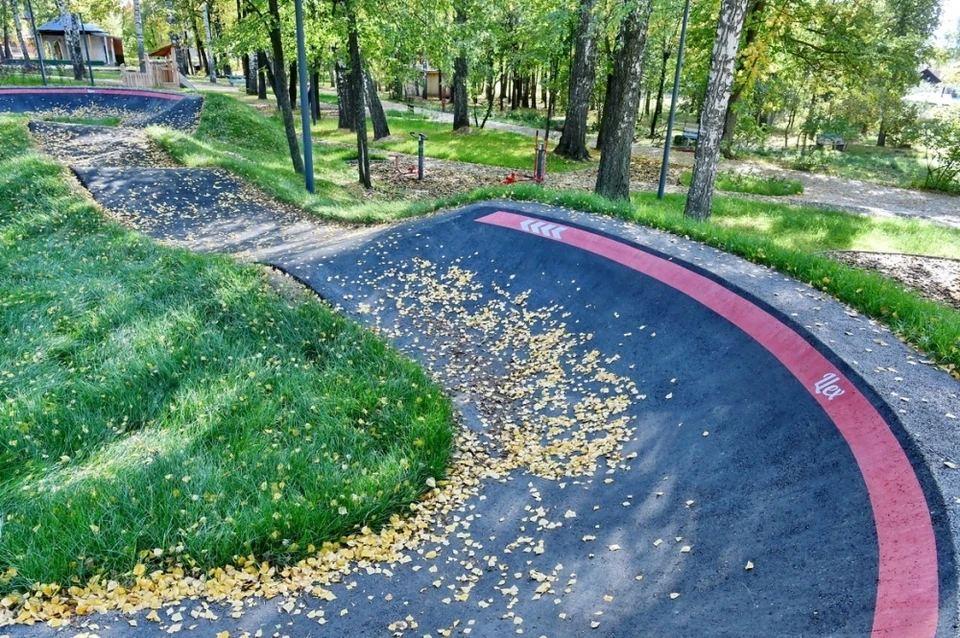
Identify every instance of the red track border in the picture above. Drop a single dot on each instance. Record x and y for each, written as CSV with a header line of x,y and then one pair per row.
x,y
908,586
92,91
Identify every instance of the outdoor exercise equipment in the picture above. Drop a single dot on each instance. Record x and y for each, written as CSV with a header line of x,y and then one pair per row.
x,y
411,171
539,165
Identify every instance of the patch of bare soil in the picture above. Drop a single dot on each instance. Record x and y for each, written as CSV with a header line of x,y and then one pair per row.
x,y
443,178
936,278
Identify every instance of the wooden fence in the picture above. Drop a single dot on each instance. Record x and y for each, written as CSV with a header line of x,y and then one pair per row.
x,y
159,73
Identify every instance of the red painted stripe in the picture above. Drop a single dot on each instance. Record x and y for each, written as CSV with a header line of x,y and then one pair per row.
x,y
908,586
92,91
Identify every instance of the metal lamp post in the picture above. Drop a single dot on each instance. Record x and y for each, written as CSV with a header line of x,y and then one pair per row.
x,y
304,99
673,103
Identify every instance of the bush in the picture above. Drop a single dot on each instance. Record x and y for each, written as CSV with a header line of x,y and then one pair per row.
x,y
941,139
753,184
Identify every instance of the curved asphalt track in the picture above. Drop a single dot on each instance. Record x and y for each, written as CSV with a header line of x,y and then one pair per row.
x,y
792,461
801,468
136,107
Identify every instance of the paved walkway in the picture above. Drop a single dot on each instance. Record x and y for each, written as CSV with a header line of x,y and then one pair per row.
x,y
623,469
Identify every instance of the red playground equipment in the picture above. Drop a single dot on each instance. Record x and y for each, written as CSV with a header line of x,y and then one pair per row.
x,y
539,165
414,172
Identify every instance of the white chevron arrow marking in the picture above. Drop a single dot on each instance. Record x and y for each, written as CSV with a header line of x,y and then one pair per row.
x,y
543,228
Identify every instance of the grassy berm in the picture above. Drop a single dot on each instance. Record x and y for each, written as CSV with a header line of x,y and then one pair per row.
x,y
161,407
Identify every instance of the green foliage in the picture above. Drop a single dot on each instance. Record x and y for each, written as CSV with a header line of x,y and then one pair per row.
x,y
941,139
156,398
733,182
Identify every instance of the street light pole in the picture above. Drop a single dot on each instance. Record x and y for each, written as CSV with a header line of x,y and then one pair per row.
x,y
304,99
673,103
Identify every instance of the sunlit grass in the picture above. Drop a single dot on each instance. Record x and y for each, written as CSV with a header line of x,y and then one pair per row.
x,y
155,399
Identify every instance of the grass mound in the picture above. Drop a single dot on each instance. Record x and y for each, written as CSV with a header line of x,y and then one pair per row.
x,y
740,183
164,407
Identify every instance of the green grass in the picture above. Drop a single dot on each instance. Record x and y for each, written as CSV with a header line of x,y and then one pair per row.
x,y
89,121
479,146
740,183
158,399
904,168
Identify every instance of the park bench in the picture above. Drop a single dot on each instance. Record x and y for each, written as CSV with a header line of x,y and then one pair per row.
x,y
688,137
833,140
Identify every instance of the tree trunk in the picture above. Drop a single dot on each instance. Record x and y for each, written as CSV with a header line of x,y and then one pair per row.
x,y
175,37
503,85
613,177
7,53
606,110
211,58
658,108
380,127
248,86
882,135
719,82
19,28
461,113
356,85
315,95
755,8
345,110
280,78
201,51
293,85
252,73
583,72
71,37
262,70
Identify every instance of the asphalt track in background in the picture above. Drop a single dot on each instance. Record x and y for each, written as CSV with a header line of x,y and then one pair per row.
x,y
736,460
135,107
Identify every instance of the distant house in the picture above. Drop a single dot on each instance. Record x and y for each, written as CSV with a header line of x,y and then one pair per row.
x,y
104,48
931,76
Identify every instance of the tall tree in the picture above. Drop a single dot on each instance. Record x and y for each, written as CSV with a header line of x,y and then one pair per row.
x,y
719,82
583,73
613,177
280,80
18,27
356,91
138,28
461,111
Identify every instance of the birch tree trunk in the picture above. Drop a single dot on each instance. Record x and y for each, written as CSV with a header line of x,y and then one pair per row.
x,y
719,82
356,94
19,28
138,28
583,72
71,36
619,128
461,112
211,61
280,84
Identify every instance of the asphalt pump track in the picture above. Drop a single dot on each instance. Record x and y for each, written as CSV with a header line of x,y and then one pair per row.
x,y
680,443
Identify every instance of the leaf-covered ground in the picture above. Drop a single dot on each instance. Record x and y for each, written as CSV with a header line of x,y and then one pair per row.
x,y
163,409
